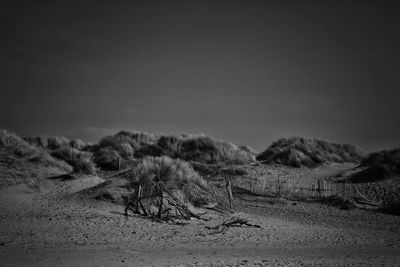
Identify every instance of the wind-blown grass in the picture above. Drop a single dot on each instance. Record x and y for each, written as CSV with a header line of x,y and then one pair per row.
x,y
197,148
22,149
299,151
378,166
387,160
107,158
51,142
173,174
81,162
16,145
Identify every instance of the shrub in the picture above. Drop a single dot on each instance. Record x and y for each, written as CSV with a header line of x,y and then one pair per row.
x,y
389,159
81,162
77,144
249,150
174,174
44,157
378,166
144,138
15,144
107,158
187,147
55,142
115,141
149,151
170,145
39,141
229,153
299,151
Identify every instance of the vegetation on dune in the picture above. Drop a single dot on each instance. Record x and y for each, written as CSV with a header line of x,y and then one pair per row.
x,y
199,149
107,158
22,149
214,170
173,174
16,145
299,151
77,144
388,160
378,166
186,147
81,162
43,157
54,142
248,149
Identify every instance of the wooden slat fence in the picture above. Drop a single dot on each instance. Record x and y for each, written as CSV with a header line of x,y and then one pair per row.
x,y
279,188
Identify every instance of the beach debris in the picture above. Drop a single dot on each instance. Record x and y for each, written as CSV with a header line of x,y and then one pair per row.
x,y
165,207
231,222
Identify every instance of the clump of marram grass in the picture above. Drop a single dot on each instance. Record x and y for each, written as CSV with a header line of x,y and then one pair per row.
x,y
197,148
81,162
248,149
299,151
16,145
115,141
48,142
38,141
107,158
77,144
43,157
382,164
173,174
55,142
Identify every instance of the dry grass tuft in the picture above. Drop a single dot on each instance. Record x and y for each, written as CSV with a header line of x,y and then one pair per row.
x,y
16,145
107,158
48,142
197,148
81,162
174,174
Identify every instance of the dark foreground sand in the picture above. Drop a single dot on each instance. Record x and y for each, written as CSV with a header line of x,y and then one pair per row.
x,y
54,227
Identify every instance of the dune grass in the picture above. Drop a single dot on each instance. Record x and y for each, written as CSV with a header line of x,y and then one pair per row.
x,y
107,158
81,162
299,151
385,163
197,148
43,157
22,149
16,145
174,174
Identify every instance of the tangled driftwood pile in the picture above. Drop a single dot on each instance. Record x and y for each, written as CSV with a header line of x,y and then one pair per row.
x,y
169,207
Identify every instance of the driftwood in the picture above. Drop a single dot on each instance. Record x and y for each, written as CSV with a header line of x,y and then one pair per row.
x,y
134,203
232,222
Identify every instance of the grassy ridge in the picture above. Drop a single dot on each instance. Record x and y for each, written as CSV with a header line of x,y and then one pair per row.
x,y
300,151
124,145
379,166
12,144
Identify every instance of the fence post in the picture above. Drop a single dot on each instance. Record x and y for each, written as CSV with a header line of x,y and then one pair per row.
x,y
319,188
139,196
229,190
161,202
279,187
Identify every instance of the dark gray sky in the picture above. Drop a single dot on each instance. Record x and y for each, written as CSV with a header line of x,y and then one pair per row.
x,y
245,71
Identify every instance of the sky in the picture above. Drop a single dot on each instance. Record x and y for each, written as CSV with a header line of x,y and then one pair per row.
x,y
249,72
